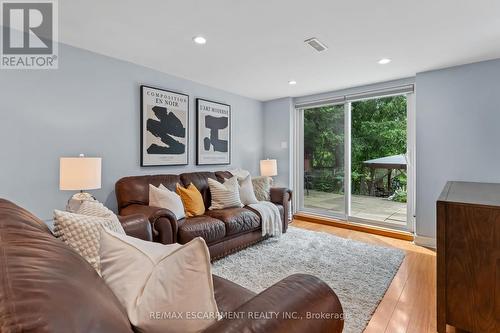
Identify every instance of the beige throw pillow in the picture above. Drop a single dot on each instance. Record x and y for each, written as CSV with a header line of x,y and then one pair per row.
x,y
240,173
164,198
247,194
225,195
262,188
152,279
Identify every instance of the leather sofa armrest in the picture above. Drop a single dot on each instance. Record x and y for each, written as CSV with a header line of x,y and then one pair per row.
x,y
137,225
163,221
282,196
298,303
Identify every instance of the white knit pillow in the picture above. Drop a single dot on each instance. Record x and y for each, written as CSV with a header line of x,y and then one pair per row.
x,y
225,195
95,208
82,233
164,198
247,194
151,278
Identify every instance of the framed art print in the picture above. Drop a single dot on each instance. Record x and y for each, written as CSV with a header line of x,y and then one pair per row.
x,y
164,127
213,133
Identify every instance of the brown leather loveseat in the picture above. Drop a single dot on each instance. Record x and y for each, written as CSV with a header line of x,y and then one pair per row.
x,y
45,286
225,231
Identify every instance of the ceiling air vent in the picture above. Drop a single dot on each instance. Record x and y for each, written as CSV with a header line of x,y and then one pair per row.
x,y
316,44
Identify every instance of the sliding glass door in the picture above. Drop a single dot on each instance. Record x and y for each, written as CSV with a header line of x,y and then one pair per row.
x,y
354,161
378,160
324,160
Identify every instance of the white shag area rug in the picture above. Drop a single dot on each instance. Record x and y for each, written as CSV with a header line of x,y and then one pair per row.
x,y
359,273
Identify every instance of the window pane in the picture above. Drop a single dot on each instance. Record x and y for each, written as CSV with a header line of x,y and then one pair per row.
x,y
324,159
378,159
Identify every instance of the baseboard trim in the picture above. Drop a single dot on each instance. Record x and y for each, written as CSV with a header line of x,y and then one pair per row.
x,y
355,226
425,241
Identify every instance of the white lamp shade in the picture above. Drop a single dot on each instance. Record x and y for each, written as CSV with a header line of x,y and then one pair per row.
x,y
268,168
79,173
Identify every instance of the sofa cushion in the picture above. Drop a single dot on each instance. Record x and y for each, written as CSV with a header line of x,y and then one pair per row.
x,y
203,226
191,200
82,233
247,194
200,180
135,189
225,195
164,198
145,278
95,208
262,188
236,220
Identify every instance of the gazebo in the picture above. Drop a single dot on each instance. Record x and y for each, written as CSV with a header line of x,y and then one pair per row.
x,y
394,162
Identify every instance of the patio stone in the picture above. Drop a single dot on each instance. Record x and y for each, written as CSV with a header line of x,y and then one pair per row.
x,y
366,207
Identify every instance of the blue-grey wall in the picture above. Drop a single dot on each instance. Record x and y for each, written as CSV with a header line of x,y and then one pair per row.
x,y
277,131
90,105
458,132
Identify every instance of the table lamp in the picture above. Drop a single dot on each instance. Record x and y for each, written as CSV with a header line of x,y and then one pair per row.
x,y
79,174
268,168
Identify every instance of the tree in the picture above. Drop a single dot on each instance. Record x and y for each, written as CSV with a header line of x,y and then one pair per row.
x,y
324,146
378,129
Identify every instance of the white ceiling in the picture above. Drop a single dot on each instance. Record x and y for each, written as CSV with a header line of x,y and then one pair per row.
x,y
256,46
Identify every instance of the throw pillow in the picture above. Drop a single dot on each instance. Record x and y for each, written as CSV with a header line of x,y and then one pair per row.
x,y
225,195
95,208
164,198
151,278
82,233
262,188
240,173
247,194
192,200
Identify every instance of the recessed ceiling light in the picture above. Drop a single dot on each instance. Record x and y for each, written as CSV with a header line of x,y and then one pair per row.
x,y
384,61
292,82
199,40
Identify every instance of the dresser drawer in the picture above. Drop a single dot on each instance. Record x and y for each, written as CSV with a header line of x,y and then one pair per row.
x,y
468,257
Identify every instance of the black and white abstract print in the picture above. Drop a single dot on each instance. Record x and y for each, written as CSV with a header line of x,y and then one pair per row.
x,y
164,127
214,132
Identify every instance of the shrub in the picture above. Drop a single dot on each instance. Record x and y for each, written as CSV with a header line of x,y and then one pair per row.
x,y
326,181
399,195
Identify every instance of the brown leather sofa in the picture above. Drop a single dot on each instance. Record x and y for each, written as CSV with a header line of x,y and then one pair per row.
x,y
45,286
225,231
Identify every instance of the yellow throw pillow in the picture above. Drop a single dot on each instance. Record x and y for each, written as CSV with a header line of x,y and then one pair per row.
x,y
192,200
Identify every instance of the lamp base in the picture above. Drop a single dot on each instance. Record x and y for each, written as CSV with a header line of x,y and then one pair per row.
x,y
76,201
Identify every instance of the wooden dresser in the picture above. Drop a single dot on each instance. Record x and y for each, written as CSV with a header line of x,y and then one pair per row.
x,y
468,257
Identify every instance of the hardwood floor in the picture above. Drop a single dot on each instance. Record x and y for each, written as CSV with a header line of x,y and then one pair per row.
x,y
409,304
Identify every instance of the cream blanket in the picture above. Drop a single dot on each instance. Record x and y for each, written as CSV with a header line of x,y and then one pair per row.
x,y
271,220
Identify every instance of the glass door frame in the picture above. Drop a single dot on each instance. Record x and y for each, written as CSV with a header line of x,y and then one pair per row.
x,y
298,166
